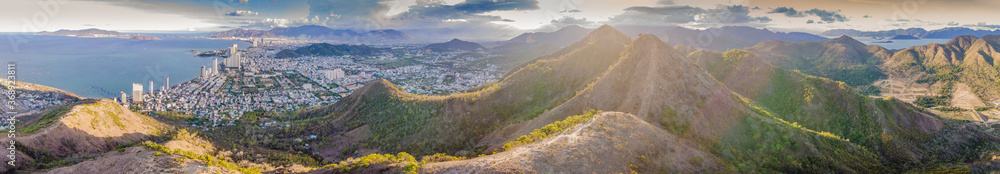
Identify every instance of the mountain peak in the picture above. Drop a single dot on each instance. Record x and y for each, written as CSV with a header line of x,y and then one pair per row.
x,y
963,41
606,31
847,40
455,45
571,27
380,86
649,38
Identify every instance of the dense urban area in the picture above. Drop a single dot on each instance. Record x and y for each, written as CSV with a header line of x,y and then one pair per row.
x,y
245,80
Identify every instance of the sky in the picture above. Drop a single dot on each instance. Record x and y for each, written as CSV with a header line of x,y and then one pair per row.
x,y
491,18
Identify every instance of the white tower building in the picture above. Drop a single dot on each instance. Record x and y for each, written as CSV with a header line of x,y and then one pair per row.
x,y
137,92
215,66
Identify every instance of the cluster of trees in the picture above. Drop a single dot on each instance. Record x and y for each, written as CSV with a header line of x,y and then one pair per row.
x,y
932,101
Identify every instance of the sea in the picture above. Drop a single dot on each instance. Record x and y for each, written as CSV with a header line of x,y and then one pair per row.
x,y
104,67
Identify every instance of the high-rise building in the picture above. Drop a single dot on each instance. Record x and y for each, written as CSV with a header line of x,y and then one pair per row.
x,y
203,75
234,58
333,74
124,99
232,50
150,87
215,66
233,61
167,83
137,93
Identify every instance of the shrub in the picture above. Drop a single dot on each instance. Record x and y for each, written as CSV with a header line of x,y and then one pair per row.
x,y
673,123
983,108
928,101
551,129
209,160
439,157
410,164
870,90
696,160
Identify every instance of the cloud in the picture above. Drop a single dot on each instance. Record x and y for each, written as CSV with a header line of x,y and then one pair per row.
x,y
268,23
482,6
372,14
567,21
671,14
241,13
788,11
824,15
469,10
348,13
977,25
827,16
666,2
728,14
686,14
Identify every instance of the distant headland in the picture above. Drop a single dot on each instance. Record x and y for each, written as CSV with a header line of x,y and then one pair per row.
x,y
93,32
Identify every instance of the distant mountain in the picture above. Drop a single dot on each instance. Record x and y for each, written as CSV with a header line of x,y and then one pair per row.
x,y
720,39
562,37
903,37
326,49
239,32
842,59
944,33
952,32
966,59
915,32
314,31
388,35
455,45
321,32
93,32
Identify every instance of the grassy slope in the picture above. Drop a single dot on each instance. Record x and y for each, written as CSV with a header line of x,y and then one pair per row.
x,y
719,123
424,125
802,124
897,132
77,131
843,59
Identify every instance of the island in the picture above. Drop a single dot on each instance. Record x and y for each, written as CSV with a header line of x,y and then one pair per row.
x,y
93,32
